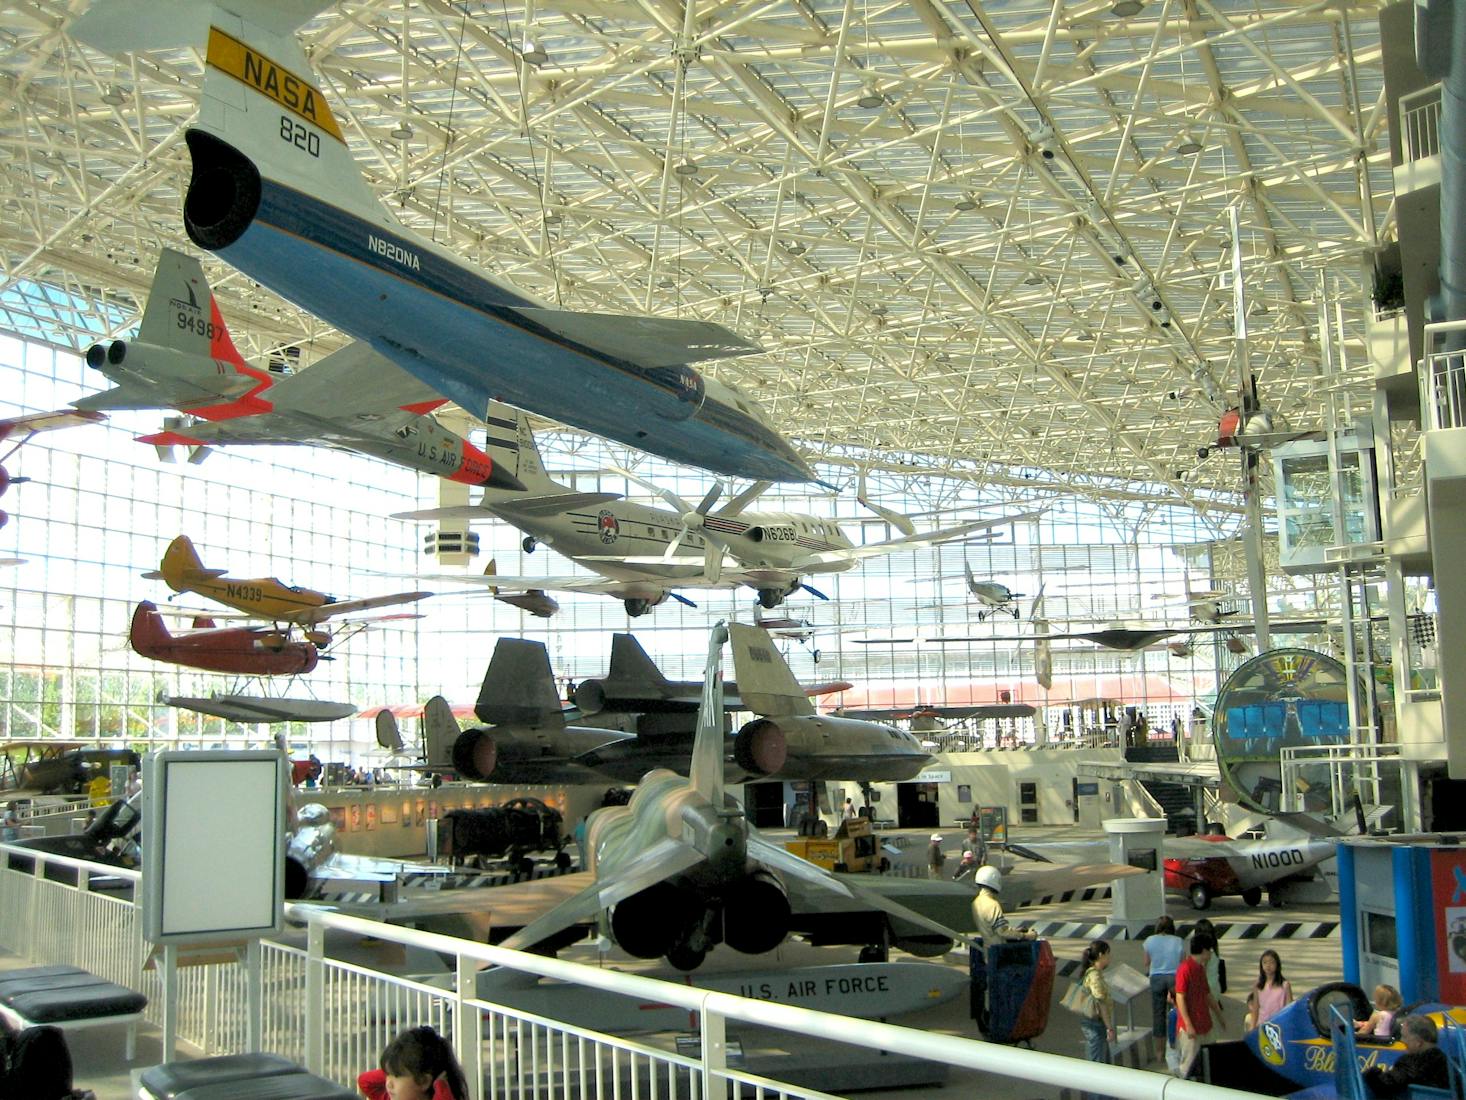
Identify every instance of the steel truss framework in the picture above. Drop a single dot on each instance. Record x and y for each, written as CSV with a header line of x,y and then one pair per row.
x,y
989,239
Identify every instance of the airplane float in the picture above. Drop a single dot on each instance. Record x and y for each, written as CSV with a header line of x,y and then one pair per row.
x,y
353,399
634,547
275,192
265,597
246,650
680,870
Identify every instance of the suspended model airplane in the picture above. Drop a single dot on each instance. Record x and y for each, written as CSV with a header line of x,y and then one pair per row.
x,y
636,547
993,596
353,399
247,650
530,738
264,597
275,192
680,869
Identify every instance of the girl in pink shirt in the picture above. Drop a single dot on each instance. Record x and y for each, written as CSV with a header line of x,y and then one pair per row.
x,y
1272,990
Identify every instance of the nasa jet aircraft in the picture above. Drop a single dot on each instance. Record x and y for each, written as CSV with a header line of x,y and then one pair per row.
x,y
635,546
681,870
276,193
353,399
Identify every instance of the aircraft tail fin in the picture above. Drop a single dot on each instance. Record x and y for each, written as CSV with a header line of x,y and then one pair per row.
x,y
439,732
182,315
765,683
511,445
629,662
519,687
148,634
706,775
389,735
181,566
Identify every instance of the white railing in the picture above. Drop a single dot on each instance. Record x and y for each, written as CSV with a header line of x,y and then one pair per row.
x,y
335,1017
1420,124
1443,381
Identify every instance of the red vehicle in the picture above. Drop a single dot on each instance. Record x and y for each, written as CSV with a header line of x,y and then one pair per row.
x,y
250,650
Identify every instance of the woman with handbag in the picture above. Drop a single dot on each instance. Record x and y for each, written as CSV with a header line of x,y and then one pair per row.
x,y
1099,1025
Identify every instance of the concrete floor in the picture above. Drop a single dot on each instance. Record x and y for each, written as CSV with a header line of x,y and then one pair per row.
x,y
100,1065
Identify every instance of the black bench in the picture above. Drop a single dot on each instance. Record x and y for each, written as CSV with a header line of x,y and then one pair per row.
x,y
237,1077
69,998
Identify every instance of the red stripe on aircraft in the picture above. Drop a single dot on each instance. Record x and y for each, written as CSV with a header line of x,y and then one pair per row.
x,y
422,408
476,466
222,349
169,439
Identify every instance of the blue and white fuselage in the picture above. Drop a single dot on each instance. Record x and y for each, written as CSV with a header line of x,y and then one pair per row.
x,y
276,192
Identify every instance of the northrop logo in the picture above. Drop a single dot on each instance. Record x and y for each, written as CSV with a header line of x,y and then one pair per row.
x,y
394,252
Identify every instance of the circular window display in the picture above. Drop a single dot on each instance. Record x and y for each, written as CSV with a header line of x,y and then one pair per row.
x,y
1282,699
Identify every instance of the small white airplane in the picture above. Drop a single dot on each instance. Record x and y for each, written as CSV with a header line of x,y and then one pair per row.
x,y
993,596
635,547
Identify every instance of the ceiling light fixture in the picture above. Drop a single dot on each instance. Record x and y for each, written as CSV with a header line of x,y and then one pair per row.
x,y
114,96
1124,9
968,202
879,311
1189,145
552,218
797,248
687,168
871,98
533,53
1033,280
403,132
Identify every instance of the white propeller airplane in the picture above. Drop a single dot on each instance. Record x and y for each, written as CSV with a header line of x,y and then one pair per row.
x,y
276,193
635,547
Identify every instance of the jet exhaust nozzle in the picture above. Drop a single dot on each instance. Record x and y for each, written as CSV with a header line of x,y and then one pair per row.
x,y
756,914
761,748
590,696
475,755
649,924
223,192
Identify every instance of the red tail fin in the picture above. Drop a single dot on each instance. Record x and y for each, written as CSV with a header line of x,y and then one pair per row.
x,y
148,634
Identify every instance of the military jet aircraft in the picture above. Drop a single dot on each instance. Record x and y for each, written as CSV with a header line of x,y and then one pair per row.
x,y
680,869
635,547
265,597
530,738
353,399
276,192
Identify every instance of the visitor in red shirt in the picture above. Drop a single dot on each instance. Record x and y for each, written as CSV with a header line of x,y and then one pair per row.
x,y
1195,1005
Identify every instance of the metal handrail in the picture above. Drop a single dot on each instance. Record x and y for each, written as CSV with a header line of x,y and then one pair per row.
x,y
1420,124
303,997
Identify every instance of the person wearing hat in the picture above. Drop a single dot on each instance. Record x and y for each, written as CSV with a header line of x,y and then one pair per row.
x,y
935,857
987,911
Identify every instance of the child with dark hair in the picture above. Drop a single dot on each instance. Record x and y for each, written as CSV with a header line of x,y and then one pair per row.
x,y
417,1065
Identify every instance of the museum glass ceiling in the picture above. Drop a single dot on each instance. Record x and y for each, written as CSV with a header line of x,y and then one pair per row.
x,y
991,239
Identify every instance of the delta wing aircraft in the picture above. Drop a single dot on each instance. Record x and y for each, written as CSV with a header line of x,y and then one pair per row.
x,y
353,399
680,869
264,597
276,193
635,547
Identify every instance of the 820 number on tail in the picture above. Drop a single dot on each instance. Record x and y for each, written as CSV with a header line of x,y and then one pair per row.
x,y
298,136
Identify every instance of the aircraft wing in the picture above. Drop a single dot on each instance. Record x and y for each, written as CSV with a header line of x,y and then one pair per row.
x,y
600,586
667,857
837,559
18,429
546,504
646,341
347,607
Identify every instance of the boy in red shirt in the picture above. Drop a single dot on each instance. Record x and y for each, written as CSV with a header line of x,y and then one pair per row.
x,y
1195,1003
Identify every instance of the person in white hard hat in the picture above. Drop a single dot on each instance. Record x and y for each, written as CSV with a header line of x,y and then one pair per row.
x,y
987,912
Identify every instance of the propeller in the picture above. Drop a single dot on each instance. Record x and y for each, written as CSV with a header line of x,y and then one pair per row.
x,y
692,520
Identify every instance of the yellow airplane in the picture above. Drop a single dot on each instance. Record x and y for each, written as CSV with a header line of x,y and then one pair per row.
x,y
263,597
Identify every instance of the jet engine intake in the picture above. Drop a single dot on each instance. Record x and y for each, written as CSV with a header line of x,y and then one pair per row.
x,y
756,914
761,747
475,755
223,192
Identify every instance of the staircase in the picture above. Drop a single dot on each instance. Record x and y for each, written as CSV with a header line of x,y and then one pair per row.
x,y
1174,798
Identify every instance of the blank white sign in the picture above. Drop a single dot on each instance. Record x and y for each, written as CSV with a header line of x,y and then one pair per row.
x,y
213,861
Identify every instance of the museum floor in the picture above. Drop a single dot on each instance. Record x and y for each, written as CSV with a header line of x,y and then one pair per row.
x,y
98,1054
